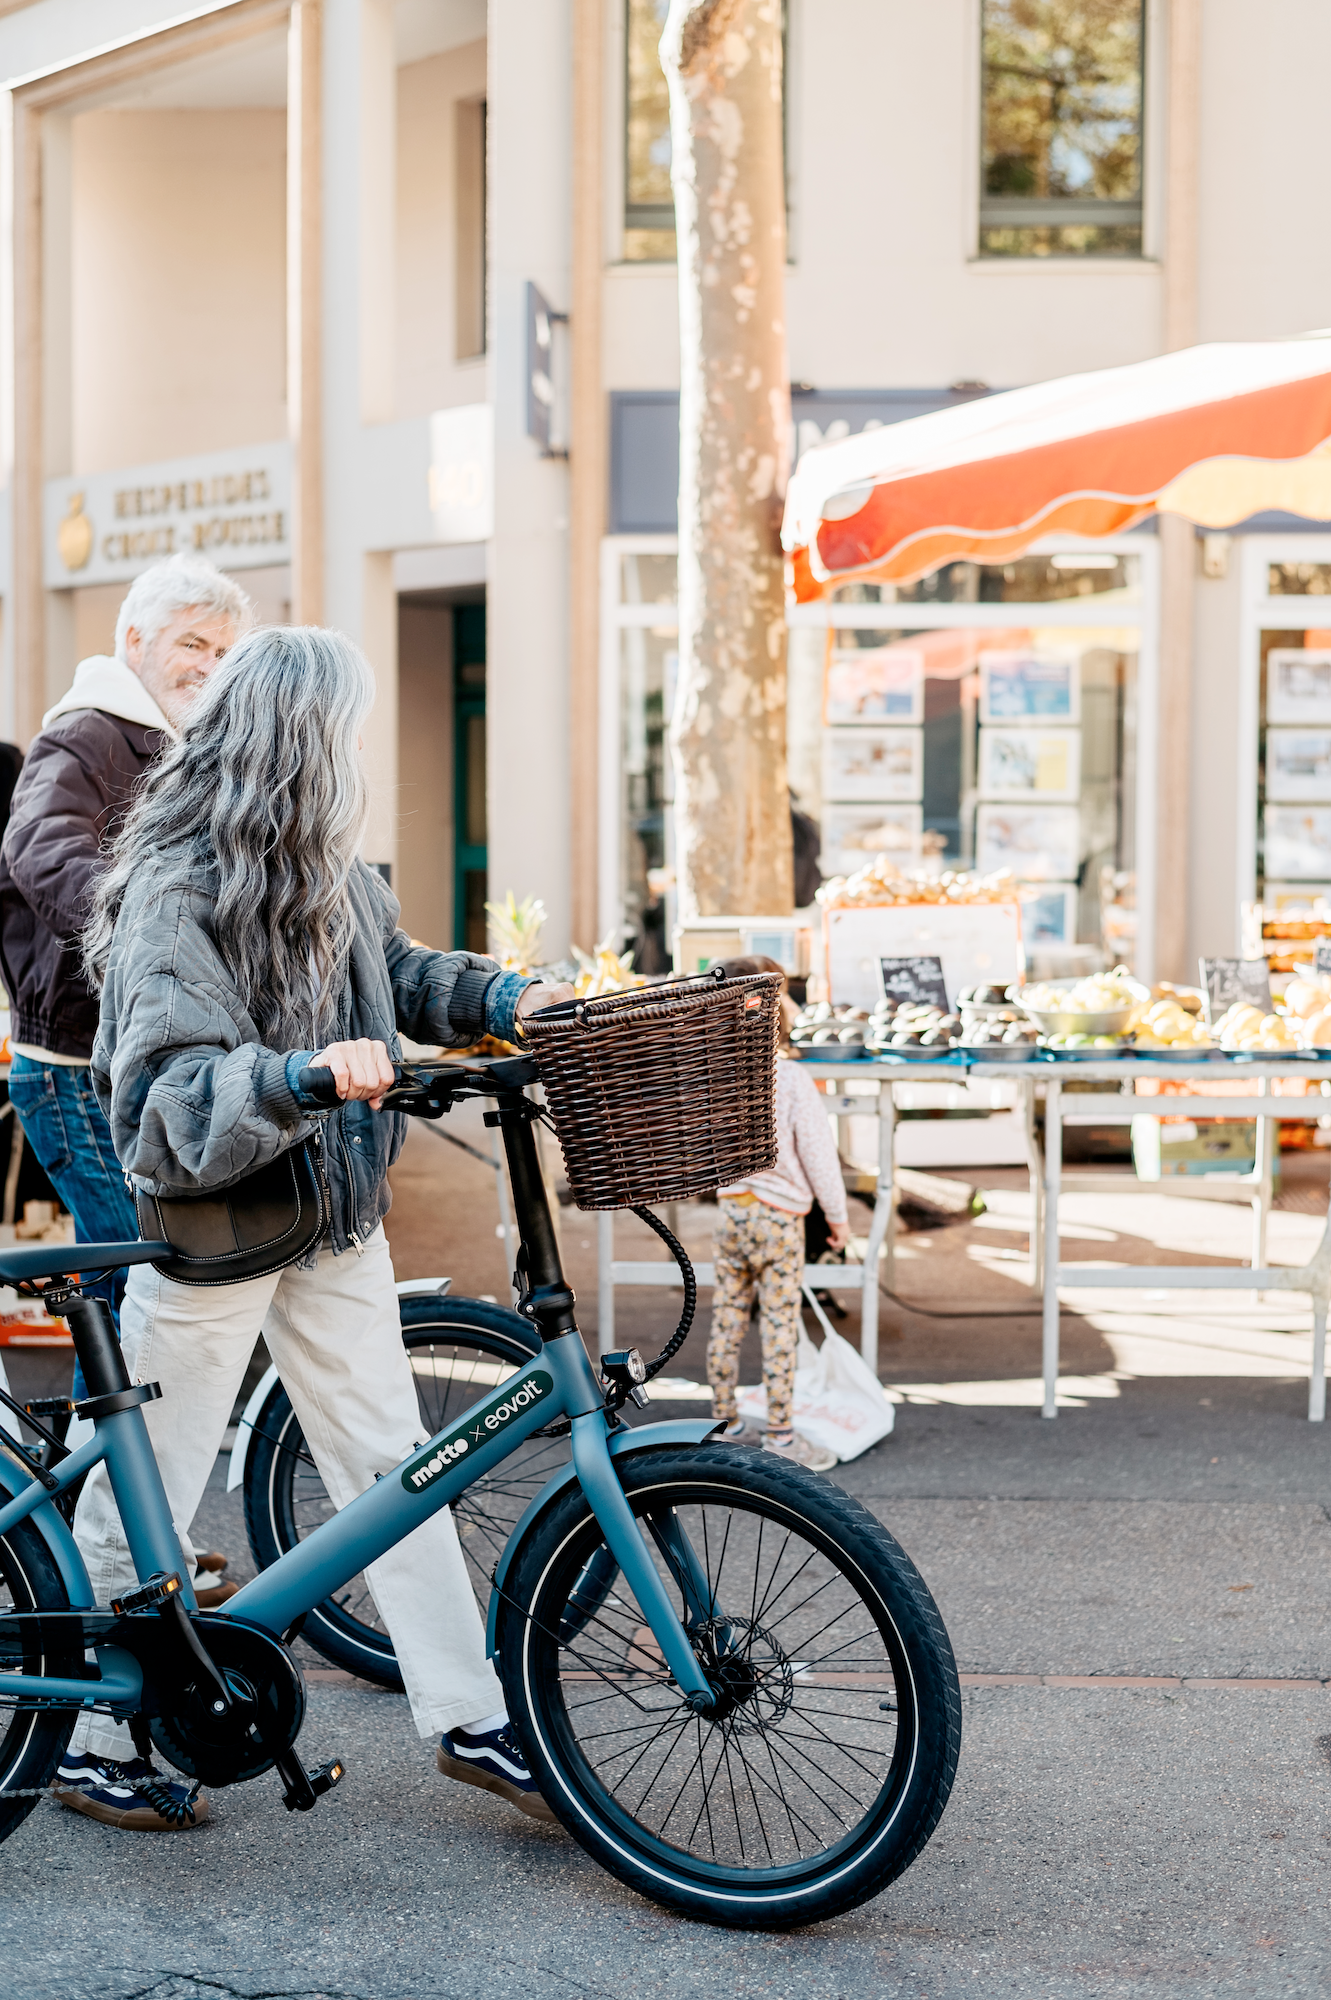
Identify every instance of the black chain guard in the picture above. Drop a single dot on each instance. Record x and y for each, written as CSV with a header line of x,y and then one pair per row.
x,y
268,1709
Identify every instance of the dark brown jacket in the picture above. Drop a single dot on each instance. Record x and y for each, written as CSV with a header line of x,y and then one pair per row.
x,y
75,786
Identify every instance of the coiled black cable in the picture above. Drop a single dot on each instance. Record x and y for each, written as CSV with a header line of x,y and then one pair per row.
x,y
681,1257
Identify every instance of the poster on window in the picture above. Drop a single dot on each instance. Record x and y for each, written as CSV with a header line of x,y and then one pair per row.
x,y
1298,764
1298,685
1025,686
873,764
1034,843
1298,842
854,834
874,684
1030,764
1048,913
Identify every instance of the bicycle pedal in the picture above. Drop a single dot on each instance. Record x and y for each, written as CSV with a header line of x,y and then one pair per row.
x,y
50,1406
155,1591
304,1789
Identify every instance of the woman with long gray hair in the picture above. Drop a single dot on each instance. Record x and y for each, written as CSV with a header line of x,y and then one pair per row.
x,y
238,940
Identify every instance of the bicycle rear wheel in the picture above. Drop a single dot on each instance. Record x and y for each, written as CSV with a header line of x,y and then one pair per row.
x,y
831,1752
32,1741
459,1349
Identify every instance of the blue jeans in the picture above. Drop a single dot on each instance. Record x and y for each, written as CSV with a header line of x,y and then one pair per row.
x,y
67,1130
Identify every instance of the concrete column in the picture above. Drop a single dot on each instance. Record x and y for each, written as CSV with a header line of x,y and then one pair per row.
x,y
527,686
359,230
588,446
304,320
1178,565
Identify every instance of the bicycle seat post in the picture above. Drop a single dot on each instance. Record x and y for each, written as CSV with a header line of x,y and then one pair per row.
x,y
95,1343
546,1296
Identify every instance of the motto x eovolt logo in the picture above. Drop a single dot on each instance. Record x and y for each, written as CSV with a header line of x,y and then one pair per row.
x,y
476,1430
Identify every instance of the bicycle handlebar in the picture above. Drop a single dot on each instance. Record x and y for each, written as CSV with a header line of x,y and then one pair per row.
x,y
321,1085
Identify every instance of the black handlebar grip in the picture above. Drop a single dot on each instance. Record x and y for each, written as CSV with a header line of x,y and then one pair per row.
x,y
320,1084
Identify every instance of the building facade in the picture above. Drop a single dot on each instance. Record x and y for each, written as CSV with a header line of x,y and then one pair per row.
x,y
374,300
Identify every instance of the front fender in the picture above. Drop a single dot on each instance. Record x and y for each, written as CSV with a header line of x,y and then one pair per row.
x,y
647,1437
51,1525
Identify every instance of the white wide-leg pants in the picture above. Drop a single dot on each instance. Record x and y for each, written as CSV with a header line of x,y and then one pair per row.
x,y
336,1338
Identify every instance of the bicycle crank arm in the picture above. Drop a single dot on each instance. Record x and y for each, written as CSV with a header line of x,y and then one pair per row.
x,y
304,1789
605,1495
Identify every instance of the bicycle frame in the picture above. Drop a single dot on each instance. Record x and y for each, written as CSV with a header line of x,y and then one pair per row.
x,y
559,1382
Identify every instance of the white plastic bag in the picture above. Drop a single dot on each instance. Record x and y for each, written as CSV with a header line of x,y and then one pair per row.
x,y
838,1402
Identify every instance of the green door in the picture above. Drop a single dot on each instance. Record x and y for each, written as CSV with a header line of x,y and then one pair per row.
x,y
469,828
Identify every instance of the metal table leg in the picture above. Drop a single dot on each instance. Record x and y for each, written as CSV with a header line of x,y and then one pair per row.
x,y
882,1230
1317,1380
1053,1171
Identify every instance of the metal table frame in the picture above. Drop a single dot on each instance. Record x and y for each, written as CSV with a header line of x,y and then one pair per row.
x,y
1119,1106
1048,1179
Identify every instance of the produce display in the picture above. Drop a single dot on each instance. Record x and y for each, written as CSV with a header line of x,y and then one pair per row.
x,y
1307,1003
1245,1029
991,1016
1170,1024
881,883
823,1026
895,1025
1098,993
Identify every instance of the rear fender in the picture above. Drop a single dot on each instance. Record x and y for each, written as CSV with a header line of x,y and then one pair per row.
x,y
51,1525
623,1444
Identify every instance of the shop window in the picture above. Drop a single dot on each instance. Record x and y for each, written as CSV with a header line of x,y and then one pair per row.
x,y
1294,758
649,201
1061,140
471,272
1298,579
940,738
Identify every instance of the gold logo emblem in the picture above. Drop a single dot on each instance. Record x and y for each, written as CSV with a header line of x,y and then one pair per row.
x,y
75,535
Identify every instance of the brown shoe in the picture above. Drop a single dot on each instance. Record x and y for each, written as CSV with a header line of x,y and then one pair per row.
x,y
213,1560
215,1594
128,1795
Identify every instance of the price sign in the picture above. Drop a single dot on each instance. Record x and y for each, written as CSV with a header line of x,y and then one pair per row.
x,y
1323,962
1226,980
913,981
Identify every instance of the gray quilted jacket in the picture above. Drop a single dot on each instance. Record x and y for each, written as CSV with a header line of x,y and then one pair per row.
x,y
194,1098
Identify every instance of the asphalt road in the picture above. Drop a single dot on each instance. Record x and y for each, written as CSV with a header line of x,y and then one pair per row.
x,y
1100,1841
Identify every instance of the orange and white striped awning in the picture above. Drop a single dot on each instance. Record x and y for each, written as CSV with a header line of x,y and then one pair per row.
x,y
1215,433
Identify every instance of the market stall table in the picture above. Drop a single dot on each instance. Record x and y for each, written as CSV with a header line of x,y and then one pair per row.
x,y
1118,1106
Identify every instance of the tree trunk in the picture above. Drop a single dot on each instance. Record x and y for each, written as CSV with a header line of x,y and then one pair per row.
x,y
722,59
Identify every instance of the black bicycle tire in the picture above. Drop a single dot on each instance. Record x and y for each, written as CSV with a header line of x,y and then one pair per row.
x,y
340,1638
532,1684
34,1741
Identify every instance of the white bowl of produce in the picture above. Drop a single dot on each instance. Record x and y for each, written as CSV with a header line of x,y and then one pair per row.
x,y
1102,1004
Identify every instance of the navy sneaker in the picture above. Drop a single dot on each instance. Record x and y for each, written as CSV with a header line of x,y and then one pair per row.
x,y
494,1762
132,1795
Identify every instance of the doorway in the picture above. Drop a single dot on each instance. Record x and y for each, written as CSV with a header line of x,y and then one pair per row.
x,y
469,805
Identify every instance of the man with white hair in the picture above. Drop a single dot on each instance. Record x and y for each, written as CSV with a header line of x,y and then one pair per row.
x,y
177,621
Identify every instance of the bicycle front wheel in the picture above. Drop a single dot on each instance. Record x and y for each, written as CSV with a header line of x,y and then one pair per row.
x,y
830,1754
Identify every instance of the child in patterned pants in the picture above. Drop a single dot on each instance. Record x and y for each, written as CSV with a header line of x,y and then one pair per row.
x,y
760,1246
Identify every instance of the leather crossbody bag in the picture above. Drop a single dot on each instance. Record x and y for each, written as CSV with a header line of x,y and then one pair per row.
x,y
256,1226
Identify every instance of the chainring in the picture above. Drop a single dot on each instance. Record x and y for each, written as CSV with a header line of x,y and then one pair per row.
x,y
268,1706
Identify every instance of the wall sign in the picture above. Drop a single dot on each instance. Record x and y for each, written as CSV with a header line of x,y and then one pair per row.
x,y
234,506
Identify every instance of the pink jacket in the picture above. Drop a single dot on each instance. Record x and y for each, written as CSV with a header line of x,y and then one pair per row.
x,y
806,1163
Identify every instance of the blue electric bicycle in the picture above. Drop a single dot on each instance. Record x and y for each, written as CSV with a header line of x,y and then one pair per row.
x,y
729,1681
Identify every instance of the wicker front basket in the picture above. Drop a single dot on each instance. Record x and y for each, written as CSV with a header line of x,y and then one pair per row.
x,y
665,1092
